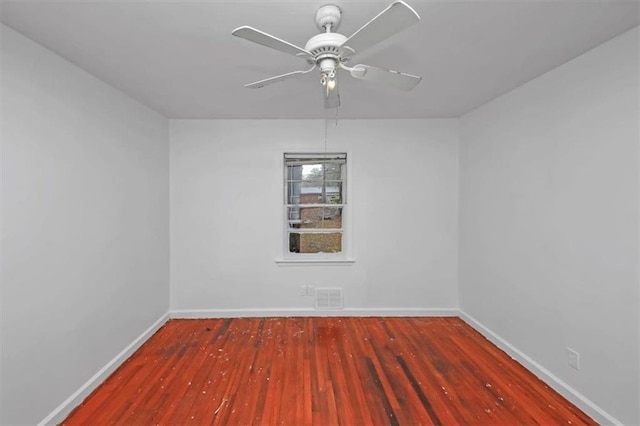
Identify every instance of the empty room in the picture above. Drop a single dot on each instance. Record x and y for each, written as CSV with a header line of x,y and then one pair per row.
x,y
320,212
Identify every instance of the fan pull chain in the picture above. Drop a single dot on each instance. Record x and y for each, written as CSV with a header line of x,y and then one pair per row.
x,y
326,125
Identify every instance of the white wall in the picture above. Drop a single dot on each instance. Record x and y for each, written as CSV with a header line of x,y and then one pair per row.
x,y
85,226
226,206
549,221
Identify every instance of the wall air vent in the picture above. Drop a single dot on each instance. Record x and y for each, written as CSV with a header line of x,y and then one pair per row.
x,y
329,298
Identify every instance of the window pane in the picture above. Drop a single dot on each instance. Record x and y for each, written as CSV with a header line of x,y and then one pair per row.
x,y
312,172
333,193
293,193
333,171
315,217
311,193
294,172
315,193
294,176
315,243
293,216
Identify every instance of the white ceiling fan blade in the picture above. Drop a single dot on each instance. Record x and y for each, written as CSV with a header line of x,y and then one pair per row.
x,y
277,78
331,97
260,37
396,79
390,21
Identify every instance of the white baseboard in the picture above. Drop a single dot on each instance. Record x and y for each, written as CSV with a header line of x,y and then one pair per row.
x,y
586,405
311,312
60,413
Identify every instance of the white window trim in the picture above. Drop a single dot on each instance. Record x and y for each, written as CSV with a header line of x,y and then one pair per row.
x,y
345,258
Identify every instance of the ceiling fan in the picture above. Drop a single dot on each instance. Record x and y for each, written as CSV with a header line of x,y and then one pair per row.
x,y
330,51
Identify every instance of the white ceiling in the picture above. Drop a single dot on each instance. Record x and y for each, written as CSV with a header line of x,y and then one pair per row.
x,y
179,57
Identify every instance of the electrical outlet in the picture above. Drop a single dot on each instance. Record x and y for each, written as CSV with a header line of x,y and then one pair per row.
x,y
307,290
573,358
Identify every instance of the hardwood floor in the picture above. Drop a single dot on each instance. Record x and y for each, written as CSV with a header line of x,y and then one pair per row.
x,y
323,371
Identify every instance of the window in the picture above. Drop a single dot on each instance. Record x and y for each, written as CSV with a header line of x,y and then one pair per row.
x,y
315,203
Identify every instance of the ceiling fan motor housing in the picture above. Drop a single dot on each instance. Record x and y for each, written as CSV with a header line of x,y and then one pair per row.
x,y
325,45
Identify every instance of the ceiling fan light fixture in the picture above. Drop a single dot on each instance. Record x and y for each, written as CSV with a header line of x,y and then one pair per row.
x,y
331,84
328,68
328,80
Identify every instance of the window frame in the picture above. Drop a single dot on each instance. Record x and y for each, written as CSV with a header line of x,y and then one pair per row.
x,y
307,259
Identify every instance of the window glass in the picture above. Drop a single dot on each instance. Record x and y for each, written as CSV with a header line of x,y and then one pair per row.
x,y
315,202
315,243
315,217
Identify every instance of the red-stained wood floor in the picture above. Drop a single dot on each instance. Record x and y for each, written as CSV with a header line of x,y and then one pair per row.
x,y
323,371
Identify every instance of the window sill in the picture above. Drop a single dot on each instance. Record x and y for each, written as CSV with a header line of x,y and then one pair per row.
x,y
315,262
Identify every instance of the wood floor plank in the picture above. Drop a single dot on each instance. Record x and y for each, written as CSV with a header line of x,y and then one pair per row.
x,y
185,380
432,384
181,355
323,371
359,336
